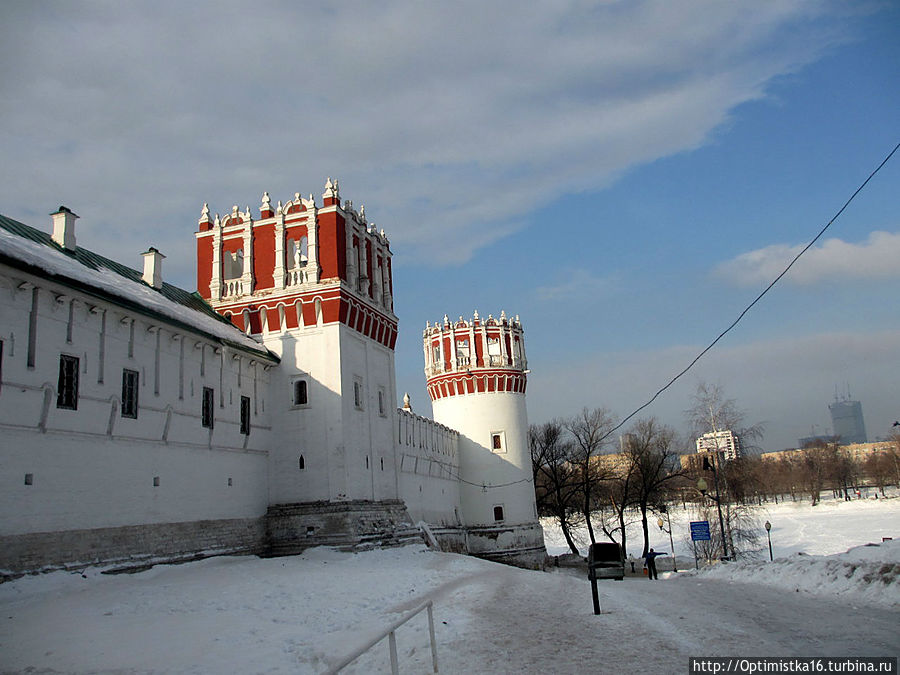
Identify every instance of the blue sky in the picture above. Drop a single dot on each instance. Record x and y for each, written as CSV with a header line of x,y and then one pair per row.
x,y
625,176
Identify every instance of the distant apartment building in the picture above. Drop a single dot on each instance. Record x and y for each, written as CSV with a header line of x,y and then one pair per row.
x,y
725,442
847,421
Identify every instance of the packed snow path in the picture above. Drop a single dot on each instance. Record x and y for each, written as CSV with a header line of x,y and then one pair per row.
x,y
301,614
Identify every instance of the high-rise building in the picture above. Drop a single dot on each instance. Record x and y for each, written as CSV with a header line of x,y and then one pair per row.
x,y
847,421
725,442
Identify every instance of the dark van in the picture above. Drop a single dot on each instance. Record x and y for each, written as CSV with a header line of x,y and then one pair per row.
x,y
605,561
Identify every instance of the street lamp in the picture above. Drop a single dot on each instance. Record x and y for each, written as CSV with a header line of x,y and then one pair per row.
x,y
769,533
659,522
702,486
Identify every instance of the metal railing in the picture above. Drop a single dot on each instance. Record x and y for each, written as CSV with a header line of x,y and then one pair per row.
x,y
392,642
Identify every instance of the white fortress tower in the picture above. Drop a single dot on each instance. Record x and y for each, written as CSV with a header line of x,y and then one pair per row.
x,y
476,372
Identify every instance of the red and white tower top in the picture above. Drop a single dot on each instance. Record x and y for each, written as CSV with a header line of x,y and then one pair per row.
x,y
298,265
475,356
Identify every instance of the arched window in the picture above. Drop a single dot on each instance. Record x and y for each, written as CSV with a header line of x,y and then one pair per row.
x,y
298,253
300,393
302,463
233,264
319,318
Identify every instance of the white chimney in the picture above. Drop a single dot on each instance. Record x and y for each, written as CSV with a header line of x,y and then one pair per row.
x,y
64,228
153,267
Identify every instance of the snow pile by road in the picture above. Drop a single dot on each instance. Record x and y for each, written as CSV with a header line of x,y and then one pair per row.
x,y
864,575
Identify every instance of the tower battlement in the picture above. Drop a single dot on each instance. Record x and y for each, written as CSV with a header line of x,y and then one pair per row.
x,y
475,356
298,265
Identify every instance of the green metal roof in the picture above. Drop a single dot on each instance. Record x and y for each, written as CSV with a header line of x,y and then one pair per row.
x,y
95,261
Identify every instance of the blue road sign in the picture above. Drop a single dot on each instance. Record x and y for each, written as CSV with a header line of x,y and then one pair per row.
x,y
700,530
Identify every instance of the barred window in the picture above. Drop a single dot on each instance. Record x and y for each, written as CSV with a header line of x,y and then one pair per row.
x,y
130,393
67,387
206,416
245,415
498,513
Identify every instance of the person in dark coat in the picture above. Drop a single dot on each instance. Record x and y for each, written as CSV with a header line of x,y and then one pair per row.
x,y
650,561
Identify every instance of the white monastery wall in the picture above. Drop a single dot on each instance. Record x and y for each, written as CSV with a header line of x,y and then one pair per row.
x,y
428,455
93,468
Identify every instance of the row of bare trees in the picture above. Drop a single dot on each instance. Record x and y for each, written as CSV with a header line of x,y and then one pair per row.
x,y
579,482
809,472
583,480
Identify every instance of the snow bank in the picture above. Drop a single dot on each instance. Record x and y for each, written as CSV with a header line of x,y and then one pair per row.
x,y
866,575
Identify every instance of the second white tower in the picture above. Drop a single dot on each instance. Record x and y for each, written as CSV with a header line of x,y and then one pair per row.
x,y
477,374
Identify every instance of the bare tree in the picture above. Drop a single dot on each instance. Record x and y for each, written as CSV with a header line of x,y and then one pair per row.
x,y
814,464
711,411
589,431
652,462
556,480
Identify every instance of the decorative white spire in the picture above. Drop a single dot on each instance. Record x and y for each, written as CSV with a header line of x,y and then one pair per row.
x,y
279,209
330,190
266,202
406,404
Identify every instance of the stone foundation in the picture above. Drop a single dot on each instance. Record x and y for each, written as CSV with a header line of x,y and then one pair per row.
x,y
287,529
518,545
129,546
292,528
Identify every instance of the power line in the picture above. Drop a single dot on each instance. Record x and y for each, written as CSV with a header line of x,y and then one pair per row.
x,y
757,299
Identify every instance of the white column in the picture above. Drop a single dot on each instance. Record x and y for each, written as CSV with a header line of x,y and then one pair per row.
x,y
278,274
215,284
247,275
312,245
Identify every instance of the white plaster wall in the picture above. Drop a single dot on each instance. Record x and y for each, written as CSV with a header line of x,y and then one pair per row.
x,y
91,467
82,482
428,469
476,417
348,451
313,430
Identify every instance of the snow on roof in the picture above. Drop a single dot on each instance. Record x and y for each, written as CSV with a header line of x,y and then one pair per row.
x,y
94,273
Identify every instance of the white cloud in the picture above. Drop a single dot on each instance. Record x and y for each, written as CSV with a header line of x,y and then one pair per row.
x,y
451,120
833,260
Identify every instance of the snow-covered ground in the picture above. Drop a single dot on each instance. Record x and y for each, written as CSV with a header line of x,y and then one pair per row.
x,y
302,614
832,526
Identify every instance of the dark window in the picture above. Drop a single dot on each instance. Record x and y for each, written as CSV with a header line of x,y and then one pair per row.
x,y
357,394
302,463
208,407
498,513
380,402
67,388
300,396
497,442
130,393
245,414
